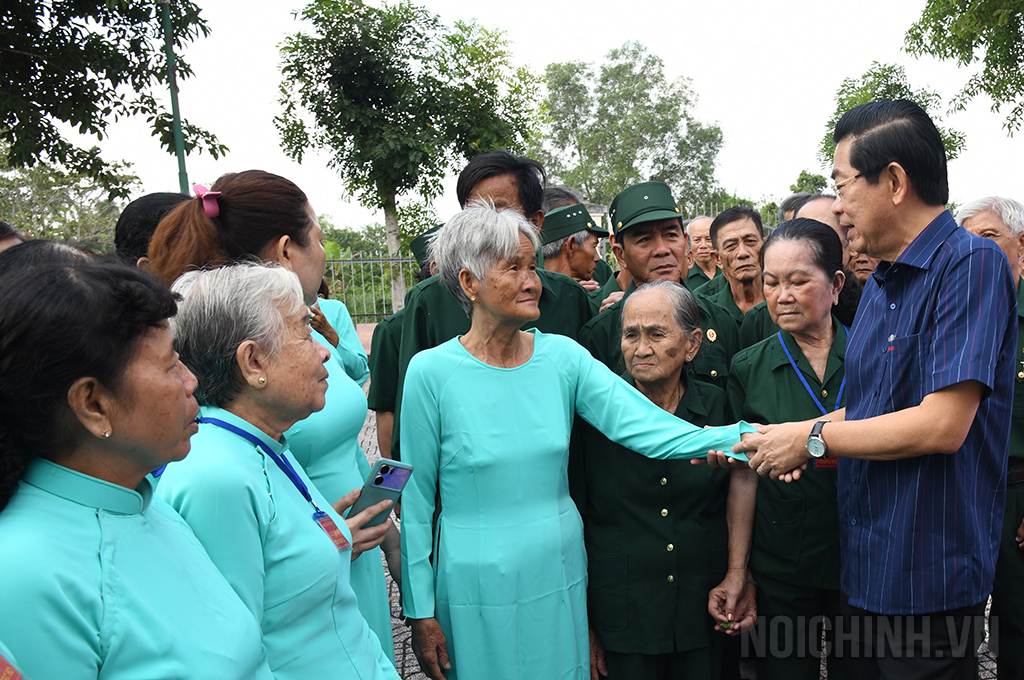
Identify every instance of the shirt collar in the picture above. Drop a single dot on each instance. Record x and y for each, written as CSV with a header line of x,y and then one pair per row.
x,y
923,248
86,490
779,358
548,291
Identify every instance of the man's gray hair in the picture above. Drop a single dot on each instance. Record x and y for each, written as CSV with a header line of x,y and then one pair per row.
x,y
551,250
686,226
685,310
1008,210
476,239
558,196
222,308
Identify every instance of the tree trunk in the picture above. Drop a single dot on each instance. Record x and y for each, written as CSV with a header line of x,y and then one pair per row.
x,y
391,233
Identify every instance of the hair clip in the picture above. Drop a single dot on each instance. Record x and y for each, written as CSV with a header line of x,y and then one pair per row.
x,y
208,198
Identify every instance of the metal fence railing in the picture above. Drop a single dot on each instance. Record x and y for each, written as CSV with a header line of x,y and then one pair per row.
x,y
363,283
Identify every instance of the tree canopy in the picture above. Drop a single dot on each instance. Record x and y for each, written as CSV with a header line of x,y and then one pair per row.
x,y
625,122
809,182
398,99
87,63
886,82
991,31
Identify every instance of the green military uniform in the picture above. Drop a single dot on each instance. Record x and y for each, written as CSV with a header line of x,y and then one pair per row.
x,y
712,287
1008,590
757,325
384,348
434,316
598,296
646,522
697,278
795,551
724,299
603,337
603,271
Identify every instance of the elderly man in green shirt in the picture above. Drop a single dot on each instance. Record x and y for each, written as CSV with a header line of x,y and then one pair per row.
x,y
1002,220
651,244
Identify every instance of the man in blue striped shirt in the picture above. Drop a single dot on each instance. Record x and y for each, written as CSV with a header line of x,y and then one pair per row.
x,y
923,440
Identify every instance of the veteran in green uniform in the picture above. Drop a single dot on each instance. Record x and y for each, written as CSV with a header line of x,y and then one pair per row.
x,y
646,521
651,243
1002,220
757,325
569,241
705,259
796,374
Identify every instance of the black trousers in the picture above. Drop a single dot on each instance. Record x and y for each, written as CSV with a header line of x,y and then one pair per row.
x,y
937,646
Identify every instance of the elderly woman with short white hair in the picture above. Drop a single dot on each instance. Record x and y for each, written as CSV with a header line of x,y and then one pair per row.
x,y
244,331
499,590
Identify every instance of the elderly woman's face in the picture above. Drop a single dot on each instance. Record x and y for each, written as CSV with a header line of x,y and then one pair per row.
x,y
511,288
654,346
296,379
157,414
800,295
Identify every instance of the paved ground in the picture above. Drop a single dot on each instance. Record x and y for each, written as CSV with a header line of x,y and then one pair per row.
x,y
405,660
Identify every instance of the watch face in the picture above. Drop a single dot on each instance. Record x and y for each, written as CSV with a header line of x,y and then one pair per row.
x,y
816,447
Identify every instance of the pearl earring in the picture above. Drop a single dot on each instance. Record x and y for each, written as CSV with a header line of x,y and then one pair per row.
x,y
106,434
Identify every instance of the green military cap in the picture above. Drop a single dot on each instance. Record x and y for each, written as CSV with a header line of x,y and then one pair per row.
x,y
420,243
644,202
566,221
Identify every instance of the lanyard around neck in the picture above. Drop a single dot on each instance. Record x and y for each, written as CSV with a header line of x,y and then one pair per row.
x,y
282,462
800,374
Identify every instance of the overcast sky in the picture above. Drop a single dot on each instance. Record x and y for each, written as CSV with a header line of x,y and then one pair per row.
x,y
766,73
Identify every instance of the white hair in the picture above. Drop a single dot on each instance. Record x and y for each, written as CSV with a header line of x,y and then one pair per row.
x,y
476,239
222,308
1006,209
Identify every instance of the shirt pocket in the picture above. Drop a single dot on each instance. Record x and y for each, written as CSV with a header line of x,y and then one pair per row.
x,y
904,372
778,532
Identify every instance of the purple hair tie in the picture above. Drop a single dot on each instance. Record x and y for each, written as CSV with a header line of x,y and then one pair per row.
x,y
209,199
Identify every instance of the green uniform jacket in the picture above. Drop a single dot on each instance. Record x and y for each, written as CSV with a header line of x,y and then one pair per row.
x,y
602,336
603,271
1017,422
757,325
796,526
645,520
433,316
696,277
596,297
712,287
384,348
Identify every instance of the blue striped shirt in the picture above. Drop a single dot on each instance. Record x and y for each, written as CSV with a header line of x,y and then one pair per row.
x,y
921,534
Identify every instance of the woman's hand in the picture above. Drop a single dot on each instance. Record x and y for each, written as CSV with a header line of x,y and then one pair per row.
x,y
322,326
733,604
430,647
370,537
598,667
1020,535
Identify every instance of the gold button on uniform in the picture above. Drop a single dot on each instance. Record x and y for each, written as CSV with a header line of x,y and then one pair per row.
x,y
670,547
671,578
664,512
824,393
664,481
714,373
1021,375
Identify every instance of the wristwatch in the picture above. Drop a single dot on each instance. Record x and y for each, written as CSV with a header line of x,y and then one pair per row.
x,y
815,444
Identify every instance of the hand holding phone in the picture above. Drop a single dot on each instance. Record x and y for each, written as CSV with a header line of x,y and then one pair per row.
x,y
386,481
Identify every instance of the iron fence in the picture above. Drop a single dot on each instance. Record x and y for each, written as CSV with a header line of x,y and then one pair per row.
x,y
363,283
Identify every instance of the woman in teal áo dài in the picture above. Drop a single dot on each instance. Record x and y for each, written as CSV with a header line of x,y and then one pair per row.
x,y
258,215
798,373
499,589
101,579
244,331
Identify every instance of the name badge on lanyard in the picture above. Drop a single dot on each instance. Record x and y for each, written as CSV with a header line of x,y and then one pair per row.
x,y
319,516
7,671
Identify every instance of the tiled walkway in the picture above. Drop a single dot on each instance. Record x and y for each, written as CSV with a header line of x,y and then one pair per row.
x,y
405,660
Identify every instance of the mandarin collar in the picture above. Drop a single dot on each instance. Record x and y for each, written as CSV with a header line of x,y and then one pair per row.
x,y
86,490
278,447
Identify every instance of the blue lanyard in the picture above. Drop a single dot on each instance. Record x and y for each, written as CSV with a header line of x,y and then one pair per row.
x,y
283,463
800,374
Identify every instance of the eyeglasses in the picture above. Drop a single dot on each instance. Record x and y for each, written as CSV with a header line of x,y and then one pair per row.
x,y
836,186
